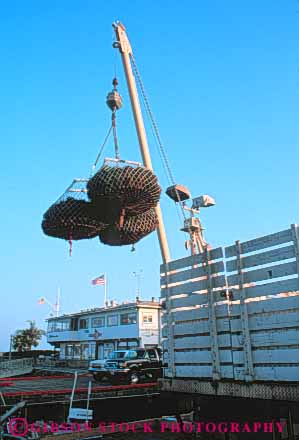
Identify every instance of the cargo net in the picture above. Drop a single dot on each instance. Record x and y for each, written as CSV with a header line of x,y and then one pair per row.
x,y
72,217
130,190
132,230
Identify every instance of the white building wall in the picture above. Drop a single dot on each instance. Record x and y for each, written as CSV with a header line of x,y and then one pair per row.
x,y
149,332
86,343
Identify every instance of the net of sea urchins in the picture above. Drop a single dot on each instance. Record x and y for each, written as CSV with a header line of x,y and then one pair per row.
x,y
71,219
134,229
136,190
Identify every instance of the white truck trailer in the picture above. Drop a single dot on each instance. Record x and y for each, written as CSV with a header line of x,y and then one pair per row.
x,y
231,325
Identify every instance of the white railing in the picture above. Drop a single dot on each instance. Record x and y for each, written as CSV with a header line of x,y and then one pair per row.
x,y
16,367
62,363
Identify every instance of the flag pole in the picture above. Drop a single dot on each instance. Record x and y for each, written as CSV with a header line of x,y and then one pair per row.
x,y
105,293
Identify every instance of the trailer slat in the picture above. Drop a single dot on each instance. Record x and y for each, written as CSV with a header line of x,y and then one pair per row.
x,y
267,273
272,256
260,243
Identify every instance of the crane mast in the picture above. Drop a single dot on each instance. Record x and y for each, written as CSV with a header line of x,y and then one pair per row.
x,y
122,43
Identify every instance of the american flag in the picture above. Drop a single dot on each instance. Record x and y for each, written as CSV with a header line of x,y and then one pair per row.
x,y
99,281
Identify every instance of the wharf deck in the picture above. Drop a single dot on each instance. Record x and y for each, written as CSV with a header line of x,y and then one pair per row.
x,y
52,388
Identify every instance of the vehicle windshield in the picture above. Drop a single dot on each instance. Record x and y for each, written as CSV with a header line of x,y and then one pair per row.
x,y
127,354
117,354
132,354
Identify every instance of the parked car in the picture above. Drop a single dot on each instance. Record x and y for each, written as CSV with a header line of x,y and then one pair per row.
x,y
130,366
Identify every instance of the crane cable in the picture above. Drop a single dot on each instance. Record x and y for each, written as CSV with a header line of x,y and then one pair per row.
x,y
180,213
163,153
102,149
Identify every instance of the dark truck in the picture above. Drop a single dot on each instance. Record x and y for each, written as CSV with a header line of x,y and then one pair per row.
x,y
130,366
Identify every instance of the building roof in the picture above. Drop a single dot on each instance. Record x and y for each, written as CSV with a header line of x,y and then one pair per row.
x,y
113,306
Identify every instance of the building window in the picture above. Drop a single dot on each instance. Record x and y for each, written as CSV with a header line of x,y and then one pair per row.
x,y
128,318
77,351
62,352
69,351
92,350
83,323
147,318
108,348
58,326
133,344
51,326
84,351
65,325
112,320
98,322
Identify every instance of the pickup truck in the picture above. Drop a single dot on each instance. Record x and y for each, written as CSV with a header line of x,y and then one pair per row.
x,y
129,365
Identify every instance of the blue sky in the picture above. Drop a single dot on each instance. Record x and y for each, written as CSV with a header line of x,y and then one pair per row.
x,y
223,82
